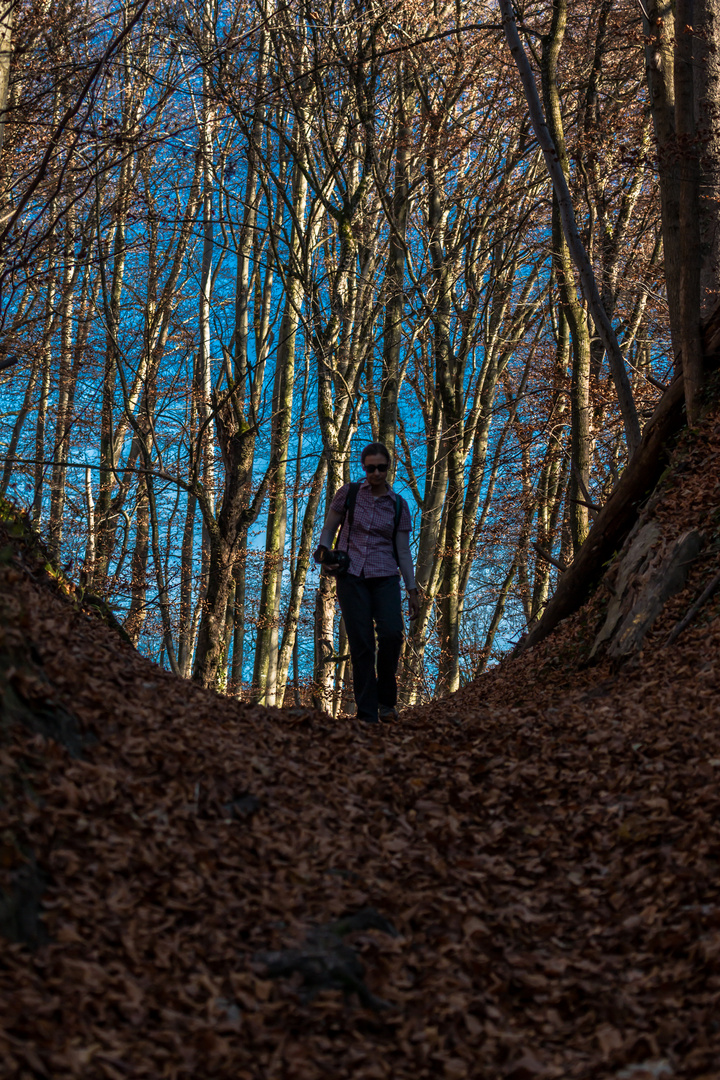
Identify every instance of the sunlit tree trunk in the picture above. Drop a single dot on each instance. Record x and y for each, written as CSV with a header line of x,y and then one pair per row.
x,y
187,552
111,302
8,9
449,381
63,415
266,650
23,413
395,271
572,308
290,628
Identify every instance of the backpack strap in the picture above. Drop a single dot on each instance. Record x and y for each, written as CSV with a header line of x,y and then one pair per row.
x,y
349,511
350,500
398,512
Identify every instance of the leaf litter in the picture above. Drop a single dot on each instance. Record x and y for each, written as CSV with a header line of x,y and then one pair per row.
x,y
520,881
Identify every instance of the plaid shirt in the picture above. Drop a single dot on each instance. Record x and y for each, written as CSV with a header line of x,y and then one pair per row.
x,y
370,547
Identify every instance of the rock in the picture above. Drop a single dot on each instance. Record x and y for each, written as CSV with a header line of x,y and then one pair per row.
x,y
647,575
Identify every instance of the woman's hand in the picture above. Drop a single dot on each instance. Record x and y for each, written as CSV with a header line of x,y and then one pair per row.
x,y
413,604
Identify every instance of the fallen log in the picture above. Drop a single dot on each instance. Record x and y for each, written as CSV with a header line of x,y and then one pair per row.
x,y
616,517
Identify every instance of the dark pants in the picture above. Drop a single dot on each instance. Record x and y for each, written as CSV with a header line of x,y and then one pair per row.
x,y
371,605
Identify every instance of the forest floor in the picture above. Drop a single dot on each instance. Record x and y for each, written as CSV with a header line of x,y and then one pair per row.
x,y
520,881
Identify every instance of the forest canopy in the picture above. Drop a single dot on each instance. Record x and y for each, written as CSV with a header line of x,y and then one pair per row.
x,y
238,241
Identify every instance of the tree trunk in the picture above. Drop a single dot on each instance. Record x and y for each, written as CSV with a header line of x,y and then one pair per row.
x,y
8,9
324,650
300,569
138,566
572,236
707,115
63,417
572,309
105,519
395,272
689,155
266,649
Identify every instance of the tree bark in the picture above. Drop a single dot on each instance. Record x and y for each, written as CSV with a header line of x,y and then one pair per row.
x,y
266,649
689,160
707,117
395,272
7,24
572,309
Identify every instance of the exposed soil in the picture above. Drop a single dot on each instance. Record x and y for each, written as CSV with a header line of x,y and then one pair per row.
x,y
520,881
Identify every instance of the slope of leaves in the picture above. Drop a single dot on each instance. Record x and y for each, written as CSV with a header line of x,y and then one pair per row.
x,y
533,863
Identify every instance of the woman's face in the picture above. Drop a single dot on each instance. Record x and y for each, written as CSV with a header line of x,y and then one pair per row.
x,y
376,476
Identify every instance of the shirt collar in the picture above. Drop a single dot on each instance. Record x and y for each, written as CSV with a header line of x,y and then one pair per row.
x,y
364,484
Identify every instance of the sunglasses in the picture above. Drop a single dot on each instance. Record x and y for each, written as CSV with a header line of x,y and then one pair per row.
x,y
375,468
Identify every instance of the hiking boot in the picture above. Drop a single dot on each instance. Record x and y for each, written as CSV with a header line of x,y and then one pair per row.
x,y
387,713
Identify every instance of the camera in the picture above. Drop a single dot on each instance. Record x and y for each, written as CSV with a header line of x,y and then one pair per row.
x,y
333,561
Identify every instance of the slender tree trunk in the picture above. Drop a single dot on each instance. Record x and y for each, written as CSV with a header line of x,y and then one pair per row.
x,y
689,154
324,650
266,649
224,532
41,422
185,634
63,417
238,641
497,615
297,591
8,9
90,545
429,555
204,360
395,272
570,230
25,408
448,374
659,28
138,565
572,309
106,521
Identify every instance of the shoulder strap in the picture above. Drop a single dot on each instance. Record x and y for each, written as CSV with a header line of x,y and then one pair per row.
x,y
349,510
350,500
398,512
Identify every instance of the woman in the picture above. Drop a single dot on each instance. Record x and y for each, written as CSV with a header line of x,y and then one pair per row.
x,y
375,534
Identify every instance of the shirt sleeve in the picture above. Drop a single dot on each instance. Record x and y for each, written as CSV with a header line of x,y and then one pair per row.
x,y
334,517
405,561
405,522
338,502
330,527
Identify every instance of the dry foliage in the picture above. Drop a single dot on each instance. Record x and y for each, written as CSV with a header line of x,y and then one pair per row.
x,y
520,882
